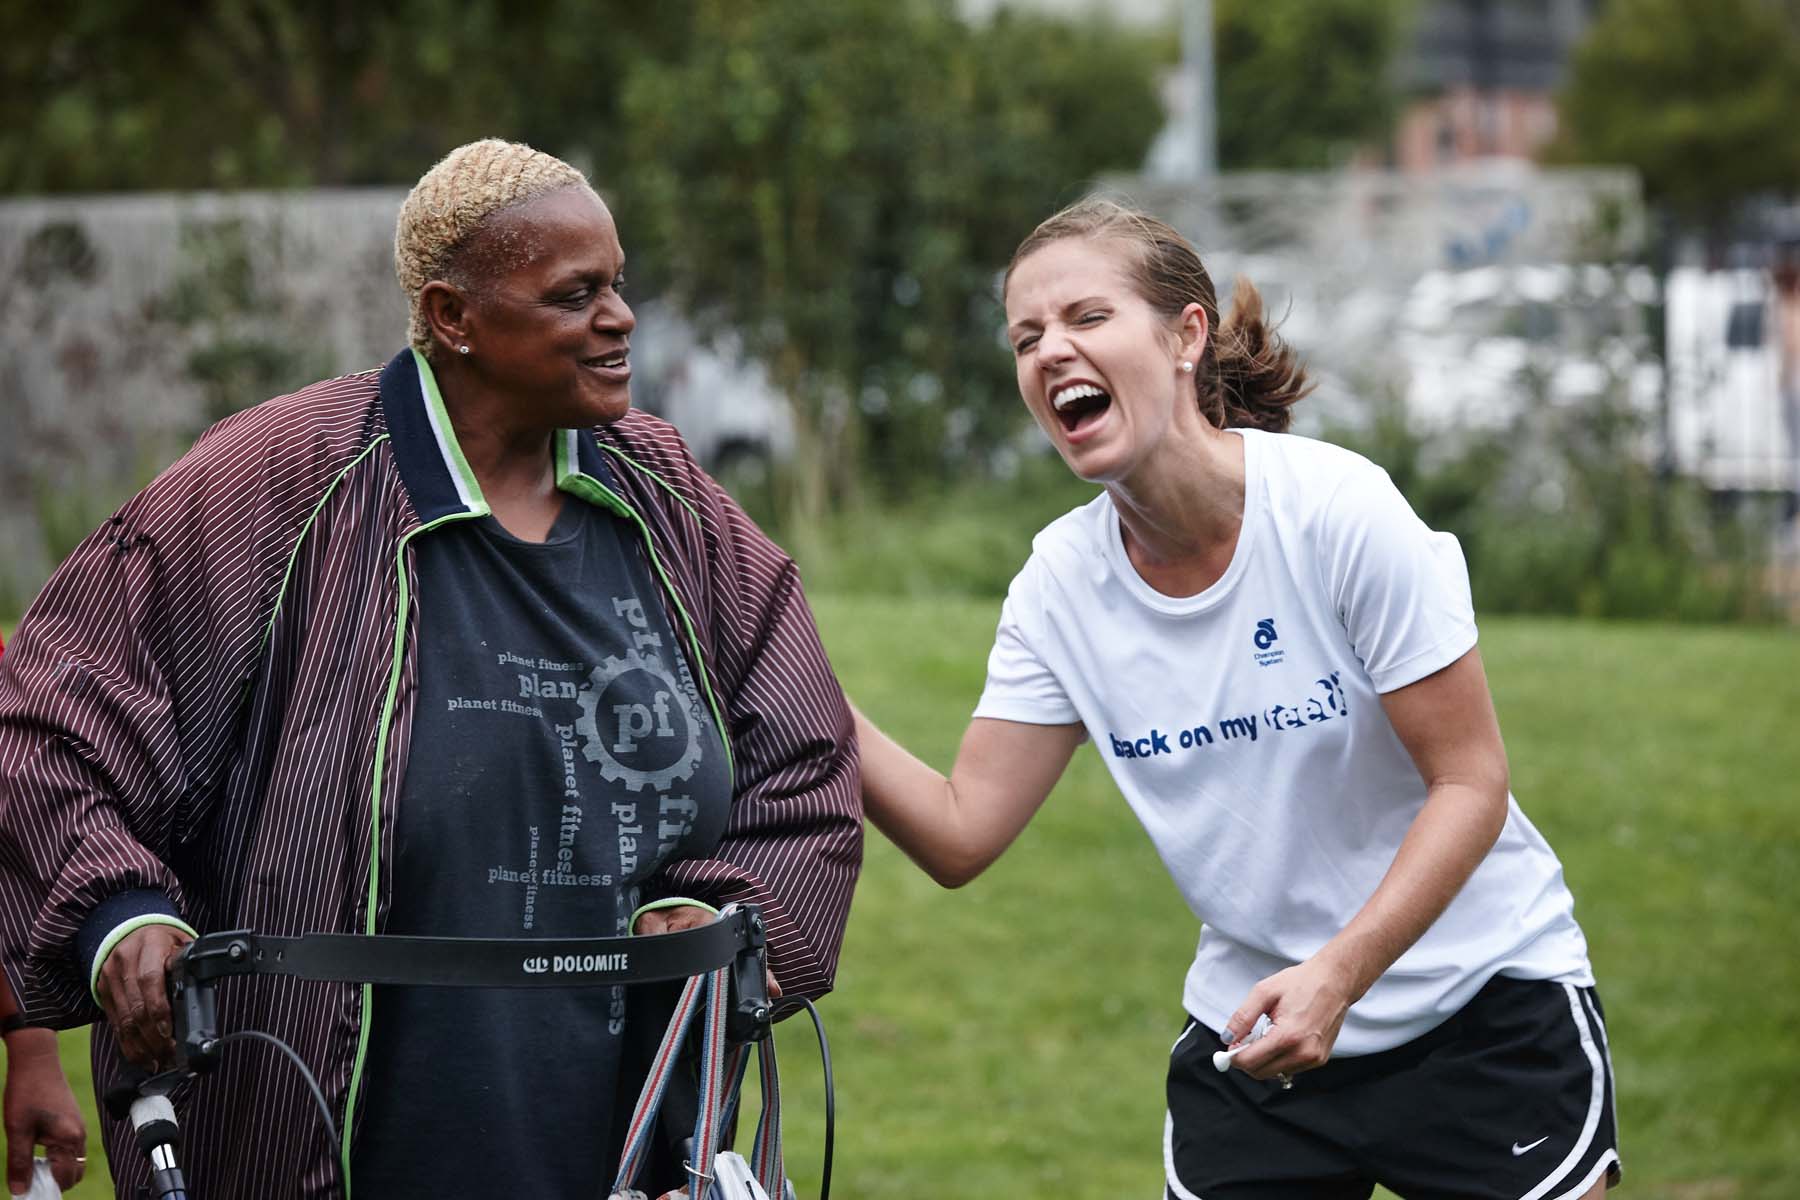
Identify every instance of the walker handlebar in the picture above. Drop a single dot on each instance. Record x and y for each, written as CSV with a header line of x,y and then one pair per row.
x,y
738,938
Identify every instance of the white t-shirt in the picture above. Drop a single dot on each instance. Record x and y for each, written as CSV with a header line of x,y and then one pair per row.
x,y
1244,727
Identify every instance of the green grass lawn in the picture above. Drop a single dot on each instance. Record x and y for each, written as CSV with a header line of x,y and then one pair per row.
x,y
1009,1038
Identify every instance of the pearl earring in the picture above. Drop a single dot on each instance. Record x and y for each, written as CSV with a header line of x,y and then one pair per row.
x,y
462,349
1187,367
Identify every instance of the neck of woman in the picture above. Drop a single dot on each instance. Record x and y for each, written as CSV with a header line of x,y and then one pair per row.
x,y
1180,516
514,463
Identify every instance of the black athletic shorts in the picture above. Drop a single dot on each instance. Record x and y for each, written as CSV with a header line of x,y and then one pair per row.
x,y
1511,1097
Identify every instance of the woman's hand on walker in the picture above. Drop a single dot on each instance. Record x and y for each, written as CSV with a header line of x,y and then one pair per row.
x,y
679,918
133,989
1306,1005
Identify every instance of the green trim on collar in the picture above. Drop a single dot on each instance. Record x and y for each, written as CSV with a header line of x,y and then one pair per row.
x,y
565,449
125,929
439,416
571,479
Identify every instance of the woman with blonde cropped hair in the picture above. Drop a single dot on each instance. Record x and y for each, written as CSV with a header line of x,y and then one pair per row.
x,y
1276,661
464,646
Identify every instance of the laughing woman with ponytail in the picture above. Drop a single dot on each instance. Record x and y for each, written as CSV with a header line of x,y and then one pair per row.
x,y
1276,660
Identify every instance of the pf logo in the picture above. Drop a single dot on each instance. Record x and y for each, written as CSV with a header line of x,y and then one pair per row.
x,y
1265,633
536,966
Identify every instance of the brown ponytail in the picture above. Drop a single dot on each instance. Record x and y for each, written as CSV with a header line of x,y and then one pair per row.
x,y
1248,376
1258,376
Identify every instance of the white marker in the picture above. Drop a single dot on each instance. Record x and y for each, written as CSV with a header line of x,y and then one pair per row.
x,y
1222,1058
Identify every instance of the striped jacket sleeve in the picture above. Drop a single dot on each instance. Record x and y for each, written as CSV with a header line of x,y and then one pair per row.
x,y
118,699
793,844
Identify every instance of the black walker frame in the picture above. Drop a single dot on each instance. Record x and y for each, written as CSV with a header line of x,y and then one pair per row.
x,y
737,939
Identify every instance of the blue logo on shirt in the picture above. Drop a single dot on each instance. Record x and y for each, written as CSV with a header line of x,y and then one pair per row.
x,y
1264,637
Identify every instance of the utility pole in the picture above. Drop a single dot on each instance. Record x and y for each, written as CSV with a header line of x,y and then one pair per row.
x,y
1484,72
1197,63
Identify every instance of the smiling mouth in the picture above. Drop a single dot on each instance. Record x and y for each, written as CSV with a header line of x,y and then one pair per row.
x,y
610,362
1078,404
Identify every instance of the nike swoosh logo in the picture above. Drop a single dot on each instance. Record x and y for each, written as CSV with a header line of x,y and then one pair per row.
x,y
1518,1149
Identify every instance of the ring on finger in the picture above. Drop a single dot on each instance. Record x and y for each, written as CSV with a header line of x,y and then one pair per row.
x,y
1286,1080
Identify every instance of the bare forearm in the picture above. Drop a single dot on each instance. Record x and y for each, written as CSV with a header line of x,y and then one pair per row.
x,y
1451,835
955,827
1447,723
912,804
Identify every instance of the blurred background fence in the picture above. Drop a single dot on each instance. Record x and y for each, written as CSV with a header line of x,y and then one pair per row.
x,y
1459,325
1591,373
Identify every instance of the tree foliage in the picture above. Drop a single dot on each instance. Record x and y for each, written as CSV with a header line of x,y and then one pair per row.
x,y
1700,98
107,94
839,180
1302,83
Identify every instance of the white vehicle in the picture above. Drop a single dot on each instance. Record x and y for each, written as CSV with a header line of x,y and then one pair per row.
x,y
722,401
1728,423
1476,341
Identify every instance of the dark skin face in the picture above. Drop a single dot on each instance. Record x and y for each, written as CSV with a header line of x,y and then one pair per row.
x,y
541,312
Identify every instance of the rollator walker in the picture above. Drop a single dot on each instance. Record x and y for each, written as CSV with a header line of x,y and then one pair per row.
x,y
724,965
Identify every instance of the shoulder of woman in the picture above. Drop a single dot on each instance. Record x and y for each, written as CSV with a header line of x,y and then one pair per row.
x,y
650,443
1311,458
1309,481
1082,528
283,451
1069,547
655,465
323,418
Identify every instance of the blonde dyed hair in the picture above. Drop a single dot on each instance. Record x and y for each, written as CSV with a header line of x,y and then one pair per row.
x,y
1247,376
452,201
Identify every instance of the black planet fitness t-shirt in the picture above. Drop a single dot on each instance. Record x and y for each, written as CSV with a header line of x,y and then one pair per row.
x,y
561,752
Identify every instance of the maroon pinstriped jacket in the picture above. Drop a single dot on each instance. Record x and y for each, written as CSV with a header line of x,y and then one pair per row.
x,y
207,712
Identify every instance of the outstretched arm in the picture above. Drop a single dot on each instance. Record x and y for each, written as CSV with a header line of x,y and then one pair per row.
x,y
954,828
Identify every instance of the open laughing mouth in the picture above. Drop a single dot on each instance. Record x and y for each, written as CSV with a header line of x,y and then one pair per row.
x,y
1079,404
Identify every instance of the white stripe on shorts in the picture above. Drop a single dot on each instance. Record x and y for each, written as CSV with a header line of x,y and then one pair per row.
x,y
1596,1101
1175,1185
1580,1189
1606,1053
1181,1193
